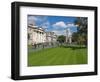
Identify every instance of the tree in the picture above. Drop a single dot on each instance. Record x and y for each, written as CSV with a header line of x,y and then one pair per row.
x,y
81,22
61,39
75,37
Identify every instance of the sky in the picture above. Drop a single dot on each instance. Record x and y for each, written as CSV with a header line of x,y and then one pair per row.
x,y
57,24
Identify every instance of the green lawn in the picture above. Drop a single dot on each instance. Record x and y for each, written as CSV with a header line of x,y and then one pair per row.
x,y
58,56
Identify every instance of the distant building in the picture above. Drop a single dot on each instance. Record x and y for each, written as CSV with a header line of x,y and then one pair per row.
x,y
51,38
68,36
38,35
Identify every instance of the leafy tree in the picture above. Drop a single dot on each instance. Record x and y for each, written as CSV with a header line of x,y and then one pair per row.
x,y
74,37
81,22
61,38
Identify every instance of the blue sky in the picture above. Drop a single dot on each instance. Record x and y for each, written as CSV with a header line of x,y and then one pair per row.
x,y
57,24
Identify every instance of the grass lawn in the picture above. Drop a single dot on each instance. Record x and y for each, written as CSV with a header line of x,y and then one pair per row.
x,y
58,56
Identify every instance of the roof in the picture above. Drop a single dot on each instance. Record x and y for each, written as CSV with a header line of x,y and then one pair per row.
x,y
36,27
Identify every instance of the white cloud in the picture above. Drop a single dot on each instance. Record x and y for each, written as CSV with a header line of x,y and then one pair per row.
x,y
58,32
36,18
60,27
59,24
70,25
46,25
33,19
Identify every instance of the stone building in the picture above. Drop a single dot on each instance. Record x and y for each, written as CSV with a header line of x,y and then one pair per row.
x,y
68,36
51,38
37,35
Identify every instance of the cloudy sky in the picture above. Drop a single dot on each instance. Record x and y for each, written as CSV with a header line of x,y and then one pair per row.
x,y
56,24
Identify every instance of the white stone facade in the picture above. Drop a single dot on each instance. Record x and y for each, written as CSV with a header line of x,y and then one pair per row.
x,y
51,37
68,36
38,35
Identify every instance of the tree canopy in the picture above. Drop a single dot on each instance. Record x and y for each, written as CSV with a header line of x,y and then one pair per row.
x,y
61,38
81,35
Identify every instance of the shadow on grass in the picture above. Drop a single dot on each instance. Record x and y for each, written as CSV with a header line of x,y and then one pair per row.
x,y
74,47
